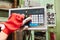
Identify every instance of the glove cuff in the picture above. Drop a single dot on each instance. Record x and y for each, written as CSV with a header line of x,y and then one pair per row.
x,y
6,31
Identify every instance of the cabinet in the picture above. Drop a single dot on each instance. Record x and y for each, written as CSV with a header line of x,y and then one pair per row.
x,y
37,23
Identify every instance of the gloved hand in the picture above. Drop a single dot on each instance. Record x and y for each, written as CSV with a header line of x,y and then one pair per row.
x,y
14,22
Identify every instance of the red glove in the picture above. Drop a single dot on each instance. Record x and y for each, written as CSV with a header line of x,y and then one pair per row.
x,y
14,22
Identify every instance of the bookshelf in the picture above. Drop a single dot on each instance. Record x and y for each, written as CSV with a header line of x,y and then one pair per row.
x,y
5,5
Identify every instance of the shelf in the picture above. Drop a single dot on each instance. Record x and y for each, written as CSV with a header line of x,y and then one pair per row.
x,y
38,28
3,19
39,38
52,25
4,8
